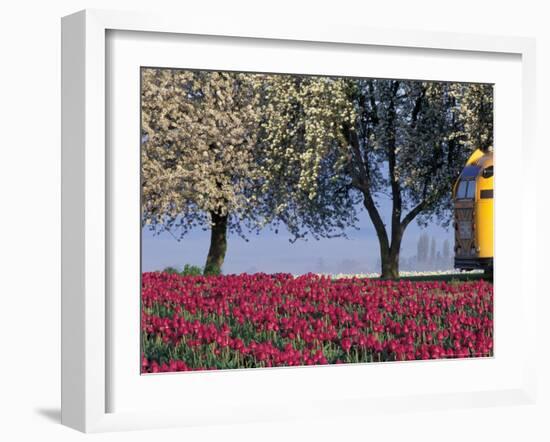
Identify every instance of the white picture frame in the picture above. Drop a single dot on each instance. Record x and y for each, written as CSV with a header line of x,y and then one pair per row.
x,y
86,315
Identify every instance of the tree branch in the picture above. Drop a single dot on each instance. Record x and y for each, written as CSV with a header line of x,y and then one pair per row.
x,y
413,213
361,179
362,183
379,226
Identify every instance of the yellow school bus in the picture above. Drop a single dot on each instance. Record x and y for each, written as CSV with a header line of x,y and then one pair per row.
x,y
473,213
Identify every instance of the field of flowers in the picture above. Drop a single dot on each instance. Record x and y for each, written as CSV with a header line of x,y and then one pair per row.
x,y
261,320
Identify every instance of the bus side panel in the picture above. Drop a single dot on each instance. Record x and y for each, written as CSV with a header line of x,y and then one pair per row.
x,y
484,228
484,217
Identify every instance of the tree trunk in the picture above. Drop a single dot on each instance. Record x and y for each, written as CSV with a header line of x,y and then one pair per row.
x,y
218,244
390,265
390,258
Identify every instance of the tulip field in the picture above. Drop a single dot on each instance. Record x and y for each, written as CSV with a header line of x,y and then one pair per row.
x,y
274,320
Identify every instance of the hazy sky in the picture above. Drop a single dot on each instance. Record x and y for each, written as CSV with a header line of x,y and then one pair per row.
x,y
269,252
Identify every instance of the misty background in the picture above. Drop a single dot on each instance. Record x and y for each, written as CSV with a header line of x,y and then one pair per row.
x,y
429,248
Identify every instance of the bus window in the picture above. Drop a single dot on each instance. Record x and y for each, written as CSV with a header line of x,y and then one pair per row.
x,y
471,191
466,189
461,191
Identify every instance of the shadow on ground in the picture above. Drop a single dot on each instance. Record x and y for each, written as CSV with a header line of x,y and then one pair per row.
x,y
51,414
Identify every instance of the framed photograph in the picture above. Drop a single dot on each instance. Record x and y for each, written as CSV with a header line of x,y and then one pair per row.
x,y
274,222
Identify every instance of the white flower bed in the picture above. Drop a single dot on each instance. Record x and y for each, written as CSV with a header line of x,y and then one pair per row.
x,y
401,274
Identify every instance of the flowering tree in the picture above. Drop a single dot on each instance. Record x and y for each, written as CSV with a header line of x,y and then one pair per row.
x,y
409,141
199,134
477,115
302,123
345,141
228,151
